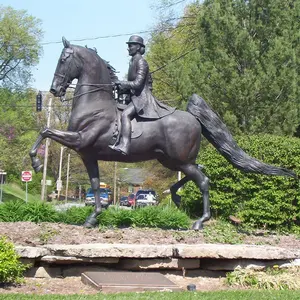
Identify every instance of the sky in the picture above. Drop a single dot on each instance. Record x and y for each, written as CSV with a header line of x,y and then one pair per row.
x,y
88,20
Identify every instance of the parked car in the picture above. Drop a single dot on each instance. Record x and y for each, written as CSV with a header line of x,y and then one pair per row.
x,y
145,198
104,197
145,192
131,200
124,201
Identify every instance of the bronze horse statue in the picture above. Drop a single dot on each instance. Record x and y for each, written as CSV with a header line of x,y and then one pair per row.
x,y
173,140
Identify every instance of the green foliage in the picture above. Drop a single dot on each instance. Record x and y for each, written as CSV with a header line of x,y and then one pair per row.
x,y
38,211
46,233
12,211
11,269
20,35
75,215
246,64
258,200
116,217
272,278
151,216
222,232
18,130
185,295
161,216
34,211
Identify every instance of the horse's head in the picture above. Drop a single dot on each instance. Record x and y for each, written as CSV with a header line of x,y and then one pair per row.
x,y
67,69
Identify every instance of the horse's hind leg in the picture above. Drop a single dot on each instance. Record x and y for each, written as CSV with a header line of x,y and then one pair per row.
x,y
175,187
194,173
93,172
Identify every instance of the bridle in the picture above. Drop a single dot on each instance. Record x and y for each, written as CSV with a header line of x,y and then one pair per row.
x,y
68,52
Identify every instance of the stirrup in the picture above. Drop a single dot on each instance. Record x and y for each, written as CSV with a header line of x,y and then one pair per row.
x,y
121,150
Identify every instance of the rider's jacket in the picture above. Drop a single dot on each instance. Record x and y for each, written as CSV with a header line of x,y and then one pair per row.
x,y
146,105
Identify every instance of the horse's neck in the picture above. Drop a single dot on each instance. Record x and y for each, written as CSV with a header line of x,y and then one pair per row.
x,y
90,83
95,94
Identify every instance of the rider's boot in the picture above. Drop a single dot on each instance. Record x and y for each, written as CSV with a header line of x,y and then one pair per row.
x,y
125,139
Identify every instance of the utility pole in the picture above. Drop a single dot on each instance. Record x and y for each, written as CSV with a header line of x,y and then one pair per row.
x,y
79,192
67,183
59,182
115,183
179,177
44,187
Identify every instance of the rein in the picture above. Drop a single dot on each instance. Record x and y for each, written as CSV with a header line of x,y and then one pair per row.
x,y
88,92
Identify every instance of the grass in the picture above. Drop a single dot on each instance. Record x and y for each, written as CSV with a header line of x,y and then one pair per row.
x,y
14,192
224,295
273,278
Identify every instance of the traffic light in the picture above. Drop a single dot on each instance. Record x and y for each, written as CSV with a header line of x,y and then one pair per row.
x,y
39,101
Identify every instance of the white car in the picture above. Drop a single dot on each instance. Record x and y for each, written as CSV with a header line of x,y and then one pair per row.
x,y
144,200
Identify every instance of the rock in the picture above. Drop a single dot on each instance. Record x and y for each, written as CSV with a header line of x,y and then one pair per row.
x,y
31,252
111,250
163,263
234,252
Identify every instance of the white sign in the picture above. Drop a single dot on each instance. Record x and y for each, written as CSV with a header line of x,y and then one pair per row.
x,y
26,176
48,182
59,185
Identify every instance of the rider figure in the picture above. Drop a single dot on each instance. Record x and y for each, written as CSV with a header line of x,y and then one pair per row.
x,y
138,86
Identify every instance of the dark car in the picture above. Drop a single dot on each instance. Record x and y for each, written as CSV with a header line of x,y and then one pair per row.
x,y
124,201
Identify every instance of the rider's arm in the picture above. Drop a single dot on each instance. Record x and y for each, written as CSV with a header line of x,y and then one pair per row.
x,y
141,77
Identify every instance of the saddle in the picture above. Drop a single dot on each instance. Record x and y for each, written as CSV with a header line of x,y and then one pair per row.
x,y
136,128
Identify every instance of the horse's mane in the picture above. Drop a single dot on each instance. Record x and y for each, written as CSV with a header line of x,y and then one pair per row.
x,y
111,69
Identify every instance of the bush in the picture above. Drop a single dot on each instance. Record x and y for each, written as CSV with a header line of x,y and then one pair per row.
x,y
11,269
12,211
150,216
38,211
259,200
75,215
34,211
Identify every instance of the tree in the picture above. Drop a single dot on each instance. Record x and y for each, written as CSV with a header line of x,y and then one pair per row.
x,y
18,128
20,36
246,65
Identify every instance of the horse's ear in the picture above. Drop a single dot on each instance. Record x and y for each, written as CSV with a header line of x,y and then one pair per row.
x,y
65,42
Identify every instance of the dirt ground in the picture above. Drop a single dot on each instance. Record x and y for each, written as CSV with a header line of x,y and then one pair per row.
x,y
31,234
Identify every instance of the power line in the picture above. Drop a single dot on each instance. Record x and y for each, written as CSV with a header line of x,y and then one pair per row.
x,y
99,37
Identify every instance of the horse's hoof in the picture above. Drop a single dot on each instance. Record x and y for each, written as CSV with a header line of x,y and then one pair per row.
x,y
198,225
38,168
90,223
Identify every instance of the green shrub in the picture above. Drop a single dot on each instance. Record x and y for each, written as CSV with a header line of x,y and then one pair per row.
x,y
12,211
116,217
75,215
166,217
34,211
270,201
38,211
11,269
150,216
272,278
222,232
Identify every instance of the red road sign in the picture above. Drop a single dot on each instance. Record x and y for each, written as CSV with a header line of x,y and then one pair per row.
x,y
26,176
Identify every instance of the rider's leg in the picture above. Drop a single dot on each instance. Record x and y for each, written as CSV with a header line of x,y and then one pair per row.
x,y
125,134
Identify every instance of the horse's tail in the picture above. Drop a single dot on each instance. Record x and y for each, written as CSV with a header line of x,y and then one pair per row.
x,y
217,134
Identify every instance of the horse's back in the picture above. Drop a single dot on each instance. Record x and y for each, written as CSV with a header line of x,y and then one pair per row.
x,y
173,134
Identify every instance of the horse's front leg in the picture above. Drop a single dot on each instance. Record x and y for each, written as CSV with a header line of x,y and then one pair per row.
x,y
35,162
93,172
66,138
